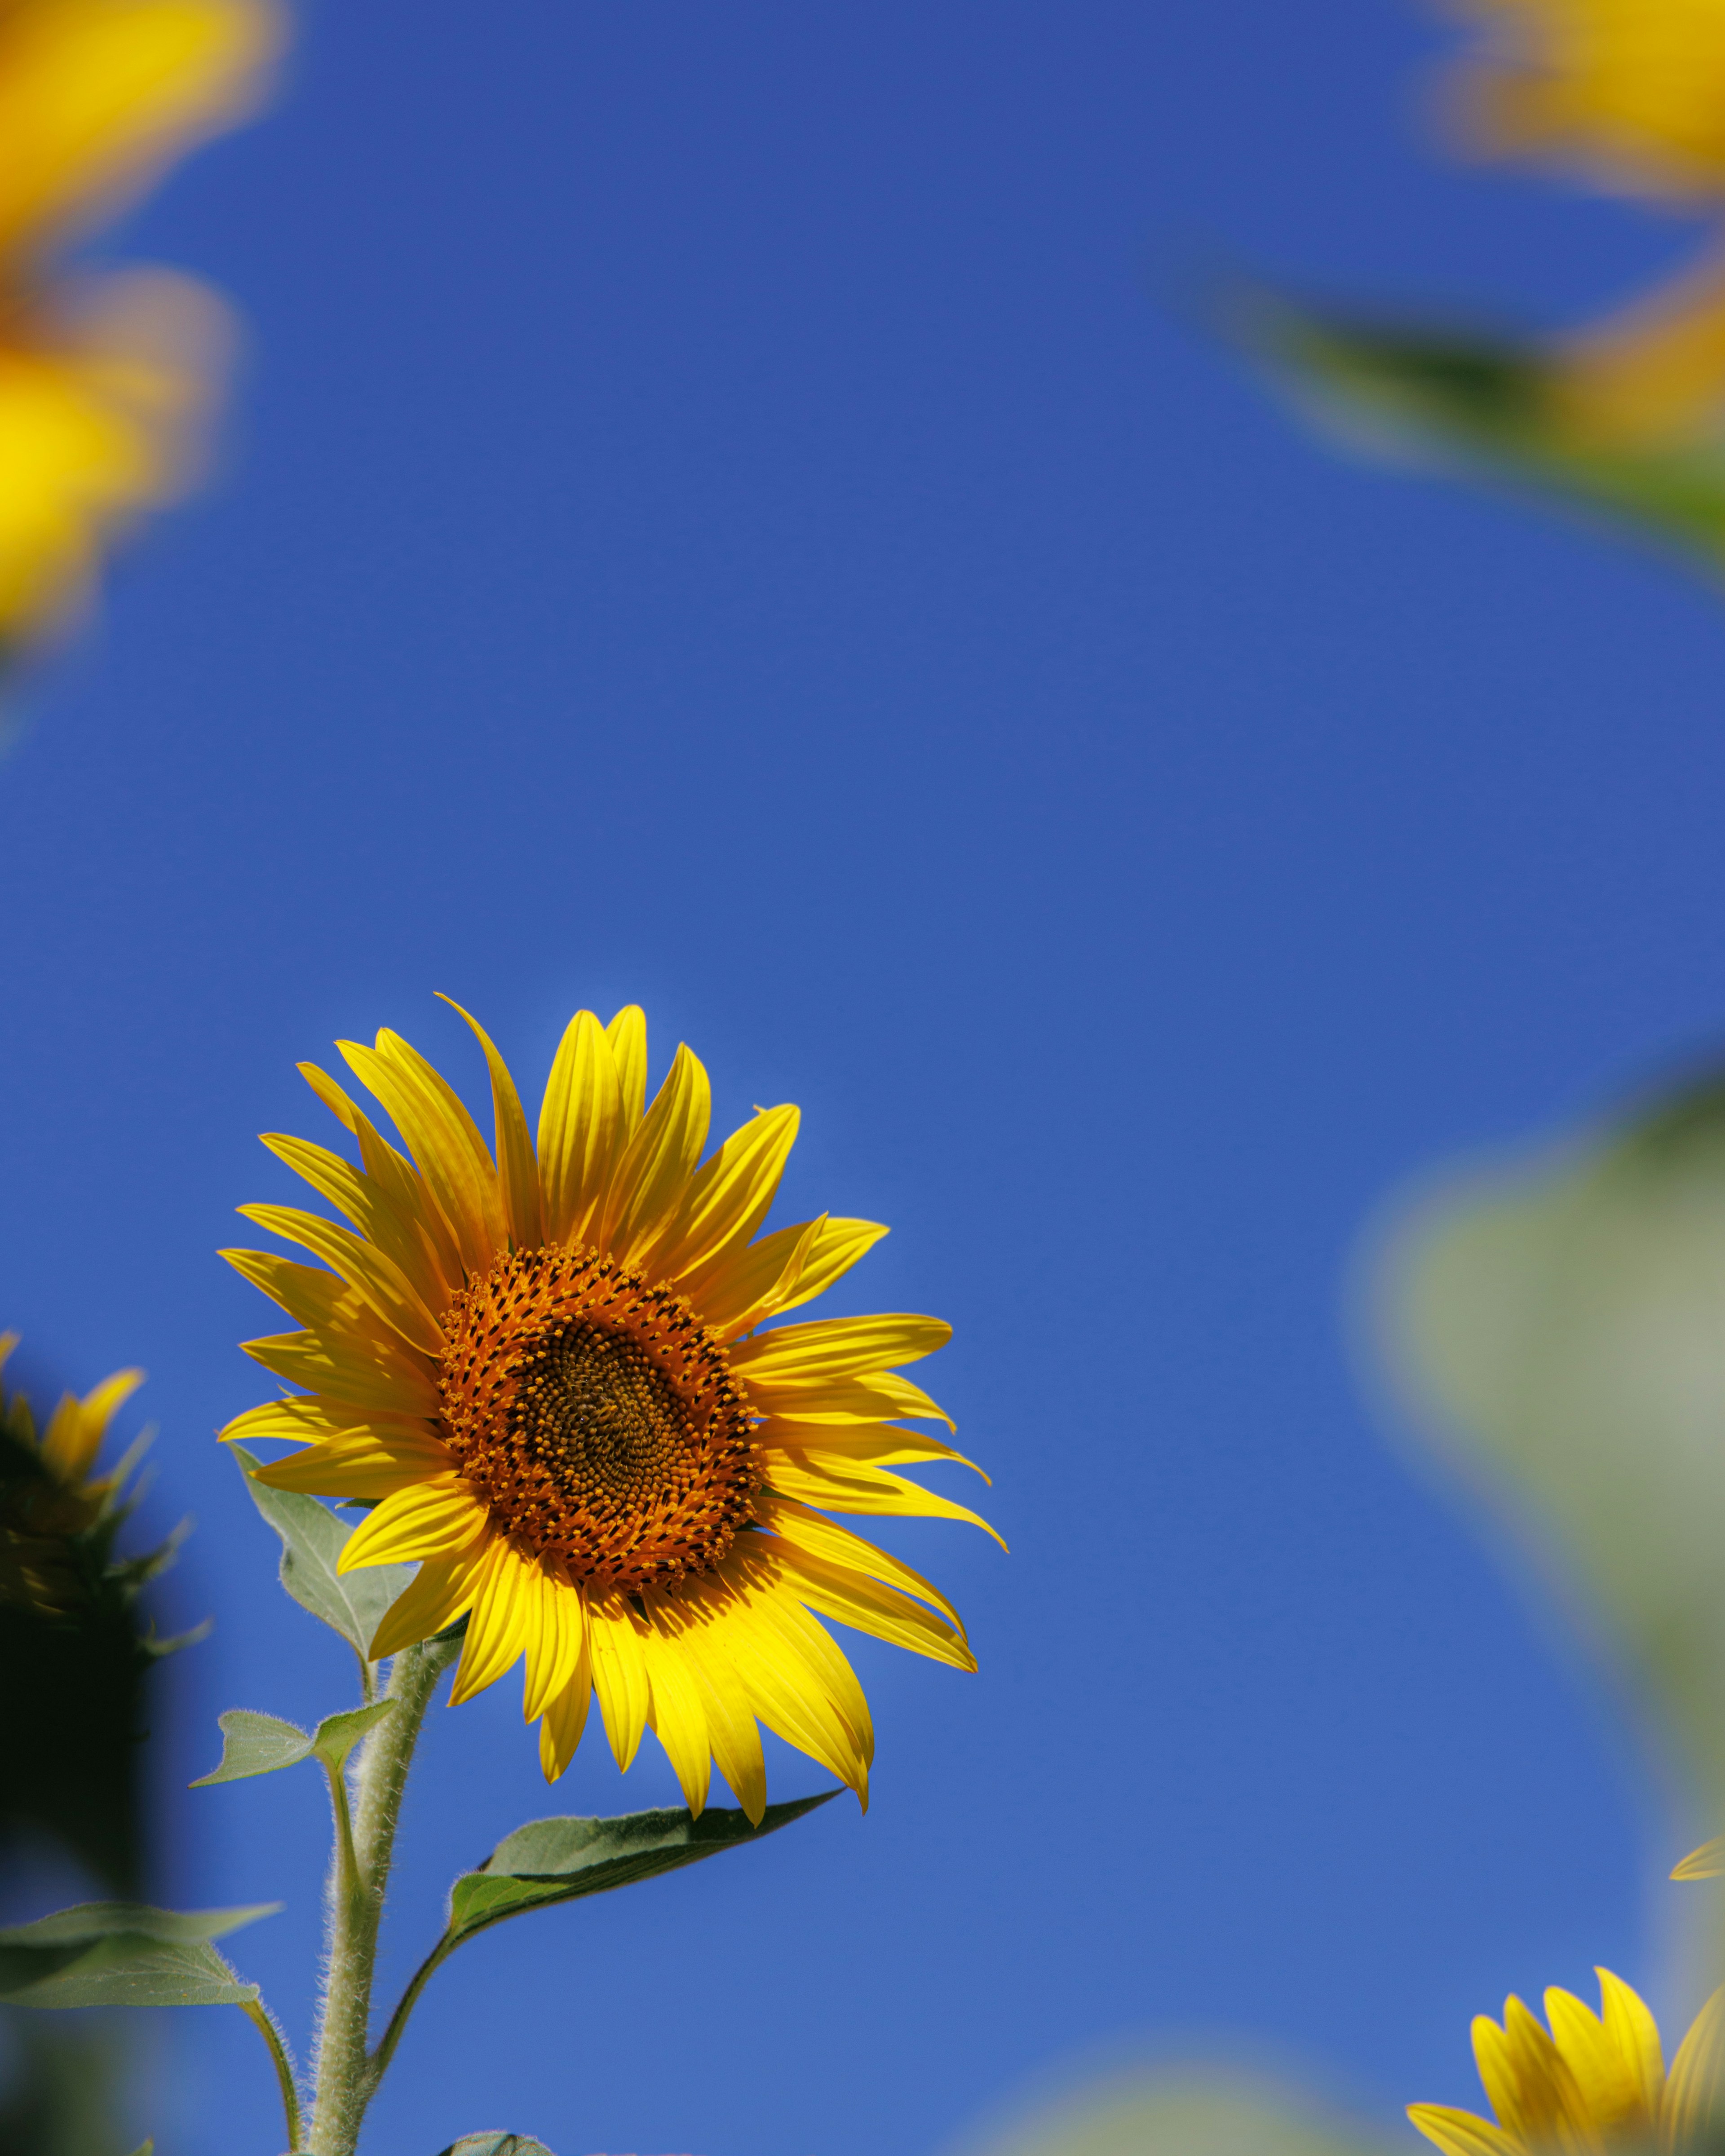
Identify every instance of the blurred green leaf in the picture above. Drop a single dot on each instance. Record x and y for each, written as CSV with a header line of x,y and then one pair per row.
x,y
1187,2113
562,1860
497,2144
123,1953
1483,406
1558,1326
352,1603
263,1743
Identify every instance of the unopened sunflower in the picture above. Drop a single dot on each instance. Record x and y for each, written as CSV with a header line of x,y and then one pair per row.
x,y
552,1373
1595,2082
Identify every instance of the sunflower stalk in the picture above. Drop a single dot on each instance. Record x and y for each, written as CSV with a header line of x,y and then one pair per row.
x,y
346,2075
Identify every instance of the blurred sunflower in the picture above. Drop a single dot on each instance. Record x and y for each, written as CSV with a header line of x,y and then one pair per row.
x,y
548,1373
1595,2082
1633,90
103,381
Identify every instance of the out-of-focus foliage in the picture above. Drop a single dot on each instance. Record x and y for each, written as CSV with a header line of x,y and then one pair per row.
x,y
1195,2112
73,1654
1557,1325
1625,415
105,381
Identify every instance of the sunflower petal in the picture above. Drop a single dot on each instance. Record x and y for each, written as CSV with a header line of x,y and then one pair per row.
x,y
518,1168
1636,2034
839,1346
399,1234
385,1289
367,1379
361,1463
852,1598
626,1036
76,1428
580,1131
729,1198
821,1537
689,1628
737,1289
447,1149
842,1486
441,1518
561,1647
1462,2132
441,1591
1692,2095
677,1713
305,1419
874,1444
560,1728
789,1687
503,1620
658,1162
399,1182
620,1672
886,1397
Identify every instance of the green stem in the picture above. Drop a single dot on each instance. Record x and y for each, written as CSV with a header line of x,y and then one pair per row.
x,y
256,2012
359,1874
423,1976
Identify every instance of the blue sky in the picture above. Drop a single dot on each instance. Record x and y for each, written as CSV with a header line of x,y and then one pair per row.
x,y
736,509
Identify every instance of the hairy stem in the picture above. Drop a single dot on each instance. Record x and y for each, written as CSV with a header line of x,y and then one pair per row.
x,y
391,2035
344,2078
258,2013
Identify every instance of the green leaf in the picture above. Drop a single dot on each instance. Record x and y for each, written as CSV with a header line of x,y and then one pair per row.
x,y
352,1603
1188,2111
122,1954
263,1743
255,1744
1554,1326
1484,406
495,2144
562,1860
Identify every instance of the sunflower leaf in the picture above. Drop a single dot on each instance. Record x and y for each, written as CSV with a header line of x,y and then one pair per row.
x,y
495,2144
352,1603
263,1743
122,1954
562,1860
335,1736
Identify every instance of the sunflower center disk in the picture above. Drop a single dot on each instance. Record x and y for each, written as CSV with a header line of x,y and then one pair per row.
x,y
597,1419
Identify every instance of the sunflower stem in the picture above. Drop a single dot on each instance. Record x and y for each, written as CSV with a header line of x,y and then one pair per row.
x,y
269,2029
409,1999
359,1875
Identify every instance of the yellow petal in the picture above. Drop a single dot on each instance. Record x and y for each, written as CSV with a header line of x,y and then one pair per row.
x,y
367,1378
787,1687
517,1169
620,1672
447,1149
399,1182
305,1419
580,1131
443,1589
1706,1862
504,1621
1610,2084
687,1627
739,1288
399,1234
657,1162
869,1444
1636,2033
627,1037
843,1486
565,1718
360,1463
678,1715
441,1518
560,1647
853,1599
839,1347
729,1198
384,1288
322,1301
1693,2092
1462,2132
822,1537
76,1428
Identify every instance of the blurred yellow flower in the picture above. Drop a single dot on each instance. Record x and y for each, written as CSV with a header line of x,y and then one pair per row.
x,y
103,382
1633,90
554,1372
50,1493
1596,2082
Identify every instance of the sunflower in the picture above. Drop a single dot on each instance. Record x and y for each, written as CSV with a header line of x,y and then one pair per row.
x,y
1634,90
54,1507
552,1374
1596,2082
102,381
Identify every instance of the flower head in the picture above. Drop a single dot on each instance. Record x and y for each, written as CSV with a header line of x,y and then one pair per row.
x,y
552,1370
1594,2083
1632,89
54,1507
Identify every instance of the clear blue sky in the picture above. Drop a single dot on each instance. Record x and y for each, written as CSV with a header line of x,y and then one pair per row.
x,y
729,508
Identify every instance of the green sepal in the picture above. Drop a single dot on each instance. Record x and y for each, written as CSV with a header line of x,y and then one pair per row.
x,y
312,1537
564,1860
254,1744
1484,406
123,1953
497,2144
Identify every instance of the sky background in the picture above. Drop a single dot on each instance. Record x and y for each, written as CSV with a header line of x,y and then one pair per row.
x,y
737,509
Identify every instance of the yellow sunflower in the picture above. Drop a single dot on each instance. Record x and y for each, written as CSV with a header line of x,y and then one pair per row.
x,y
1633,89
552,1373
102,384
49,1492
1596,2082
